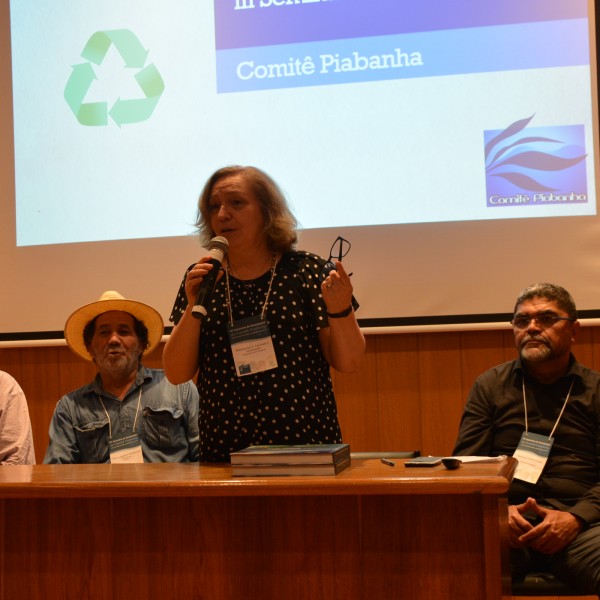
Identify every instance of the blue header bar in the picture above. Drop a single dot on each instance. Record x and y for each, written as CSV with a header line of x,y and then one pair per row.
x,y
246,23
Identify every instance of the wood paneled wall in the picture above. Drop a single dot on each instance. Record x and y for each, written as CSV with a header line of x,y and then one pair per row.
x,y
408,394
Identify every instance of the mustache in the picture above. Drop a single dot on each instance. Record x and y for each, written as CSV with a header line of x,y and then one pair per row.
x,y
112,347
534,338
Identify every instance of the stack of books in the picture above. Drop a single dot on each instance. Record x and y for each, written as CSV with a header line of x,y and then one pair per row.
x,y
313,459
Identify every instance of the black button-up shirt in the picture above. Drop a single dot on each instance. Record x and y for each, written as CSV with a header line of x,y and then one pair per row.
x,y
494,420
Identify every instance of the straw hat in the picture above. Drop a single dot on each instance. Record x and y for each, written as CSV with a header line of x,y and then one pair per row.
x,y
112,301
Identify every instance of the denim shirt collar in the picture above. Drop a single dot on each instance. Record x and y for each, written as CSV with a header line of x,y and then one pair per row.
x,y
142,376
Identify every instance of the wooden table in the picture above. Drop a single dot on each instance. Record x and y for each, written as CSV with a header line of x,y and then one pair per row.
x,y
188,531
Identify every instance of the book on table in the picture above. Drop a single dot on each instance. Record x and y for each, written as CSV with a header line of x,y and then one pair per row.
x,y
311,459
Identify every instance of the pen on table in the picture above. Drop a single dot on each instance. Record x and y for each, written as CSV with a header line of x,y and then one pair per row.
x,y
389,463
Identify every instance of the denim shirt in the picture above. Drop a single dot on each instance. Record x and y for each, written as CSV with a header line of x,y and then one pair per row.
x,y
167,421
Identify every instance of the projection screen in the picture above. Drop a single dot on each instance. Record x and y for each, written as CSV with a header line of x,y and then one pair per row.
x,y
454,144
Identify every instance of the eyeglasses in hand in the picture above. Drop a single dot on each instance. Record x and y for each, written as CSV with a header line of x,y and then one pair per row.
x,y
339,249
544,320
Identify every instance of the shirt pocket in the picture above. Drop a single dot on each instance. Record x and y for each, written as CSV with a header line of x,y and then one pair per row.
x,y
163,427
92,441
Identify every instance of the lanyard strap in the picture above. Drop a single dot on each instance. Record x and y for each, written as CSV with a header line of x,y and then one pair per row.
x,y
137,410
266,302
561,412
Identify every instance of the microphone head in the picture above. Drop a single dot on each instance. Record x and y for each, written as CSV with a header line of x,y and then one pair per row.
x,y
218,247
219,242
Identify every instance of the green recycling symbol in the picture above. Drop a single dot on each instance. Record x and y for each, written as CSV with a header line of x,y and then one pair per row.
x,y
123,112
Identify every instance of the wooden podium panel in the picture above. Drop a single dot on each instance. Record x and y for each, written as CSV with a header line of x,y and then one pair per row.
x,y
189,531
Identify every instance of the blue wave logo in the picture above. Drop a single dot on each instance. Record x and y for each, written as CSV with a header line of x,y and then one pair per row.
x,y
535,165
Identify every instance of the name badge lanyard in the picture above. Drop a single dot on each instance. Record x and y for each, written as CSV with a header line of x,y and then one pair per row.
x,y
125,449
534,449
266,303
250,339
559,416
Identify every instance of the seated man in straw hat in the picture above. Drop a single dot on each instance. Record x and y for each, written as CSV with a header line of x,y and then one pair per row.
x,y
129,413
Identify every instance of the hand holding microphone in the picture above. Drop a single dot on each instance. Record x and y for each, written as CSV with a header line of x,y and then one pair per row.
x,y
217,248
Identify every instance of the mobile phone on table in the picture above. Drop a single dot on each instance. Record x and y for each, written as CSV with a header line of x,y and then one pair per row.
x,y
424,461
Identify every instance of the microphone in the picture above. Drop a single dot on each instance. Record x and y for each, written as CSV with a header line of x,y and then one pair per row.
x,y
217,248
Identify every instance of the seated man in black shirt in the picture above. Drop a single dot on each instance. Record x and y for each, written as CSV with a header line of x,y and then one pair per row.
x,y
544,408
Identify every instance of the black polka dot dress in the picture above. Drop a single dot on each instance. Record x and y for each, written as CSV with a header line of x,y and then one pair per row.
x,y
291,404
